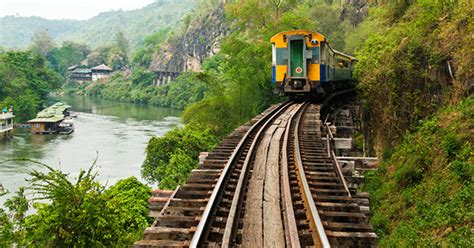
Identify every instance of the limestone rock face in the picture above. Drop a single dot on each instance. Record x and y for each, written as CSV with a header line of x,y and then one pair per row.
x,y
201,40
355,11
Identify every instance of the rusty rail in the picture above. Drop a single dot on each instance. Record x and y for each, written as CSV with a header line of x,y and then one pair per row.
x,y
332,155
292,238
319,235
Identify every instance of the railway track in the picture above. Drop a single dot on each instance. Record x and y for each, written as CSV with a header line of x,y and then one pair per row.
x,y
272,184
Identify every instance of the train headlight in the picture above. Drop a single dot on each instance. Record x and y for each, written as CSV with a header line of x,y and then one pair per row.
x,y
297,84
314,42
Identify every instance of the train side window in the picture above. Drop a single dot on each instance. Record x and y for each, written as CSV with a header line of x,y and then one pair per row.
x,y
340,63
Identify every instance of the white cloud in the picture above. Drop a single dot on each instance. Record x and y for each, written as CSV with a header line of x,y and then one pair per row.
x,y
66,9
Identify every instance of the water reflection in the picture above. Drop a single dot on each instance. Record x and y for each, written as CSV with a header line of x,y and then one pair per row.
x,y
121,110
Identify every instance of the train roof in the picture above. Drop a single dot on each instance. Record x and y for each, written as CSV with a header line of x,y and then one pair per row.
x,y
319,36
345,55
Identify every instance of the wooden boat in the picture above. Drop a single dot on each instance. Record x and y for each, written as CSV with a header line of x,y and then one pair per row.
x,y
66,126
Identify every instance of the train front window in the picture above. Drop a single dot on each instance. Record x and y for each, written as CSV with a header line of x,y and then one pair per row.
x,y
315,59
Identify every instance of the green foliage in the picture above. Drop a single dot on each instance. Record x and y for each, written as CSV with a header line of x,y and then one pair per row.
x,y
116,58
42,43
177,170
69,54
406,50
118,55
142,77
144,55
408,176
99,56
25,106
80,213
462,169
213,112
25,82
422,194
171,158
451,145
12,220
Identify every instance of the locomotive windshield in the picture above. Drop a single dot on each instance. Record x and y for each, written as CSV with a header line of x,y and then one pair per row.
x,y
315,58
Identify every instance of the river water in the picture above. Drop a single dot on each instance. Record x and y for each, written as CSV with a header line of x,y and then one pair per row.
x,y
114,133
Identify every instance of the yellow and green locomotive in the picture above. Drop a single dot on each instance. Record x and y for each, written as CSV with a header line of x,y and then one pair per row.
x,y
303,62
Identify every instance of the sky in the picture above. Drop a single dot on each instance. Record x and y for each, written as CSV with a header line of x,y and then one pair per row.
x,y
66,9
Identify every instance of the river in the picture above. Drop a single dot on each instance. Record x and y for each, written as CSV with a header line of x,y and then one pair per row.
x,y
114,133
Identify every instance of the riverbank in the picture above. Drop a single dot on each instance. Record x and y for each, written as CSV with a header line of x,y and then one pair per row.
x,y
186,89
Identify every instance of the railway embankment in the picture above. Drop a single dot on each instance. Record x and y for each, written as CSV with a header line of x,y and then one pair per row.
x,y
422,193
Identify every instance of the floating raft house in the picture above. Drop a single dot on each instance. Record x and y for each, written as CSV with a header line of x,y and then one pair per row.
x,y
47,121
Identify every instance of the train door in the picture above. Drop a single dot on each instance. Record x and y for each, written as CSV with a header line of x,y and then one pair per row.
x,y
297,58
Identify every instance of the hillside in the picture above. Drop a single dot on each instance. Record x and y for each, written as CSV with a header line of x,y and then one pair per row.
x,y
16,32
422,193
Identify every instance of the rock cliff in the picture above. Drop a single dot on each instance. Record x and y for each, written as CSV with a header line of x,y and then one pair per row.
x,y
201,40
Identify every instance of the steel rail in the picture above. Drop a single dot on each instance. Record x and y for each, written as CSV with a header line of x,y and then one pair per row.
x,y
234,211
219,187
330,138
319,235
163,209
292,238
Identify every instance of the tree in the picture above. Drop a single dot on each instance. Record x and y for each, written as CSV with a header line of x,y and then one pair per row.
x,y
122,44
12,220
42,43
25,105
142,77
116,58
25,82
69,54
99,56
276,5
151,44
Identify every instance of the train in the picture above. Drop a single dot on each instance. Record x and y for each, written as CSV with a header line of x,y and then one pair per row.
x,y
304,63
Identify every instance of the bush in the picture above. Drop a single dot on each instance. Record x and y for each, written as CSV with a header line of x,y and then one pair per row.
x,y
76,214
171,158
462,170
142,77
408,175
451,145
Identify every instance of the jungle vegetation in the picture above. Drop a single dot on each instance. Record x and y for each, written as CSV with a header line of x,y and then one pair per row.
x,y
422,193
74,212
25,82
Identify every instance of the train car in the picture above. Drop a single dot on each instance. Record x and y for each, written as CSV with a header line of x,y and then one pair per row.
x,y
303,62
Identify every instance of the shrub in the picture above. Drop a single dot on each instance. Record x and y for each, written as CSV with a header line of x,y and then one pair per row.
x,y
451,145
170,158
142,77
462,170
408,175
